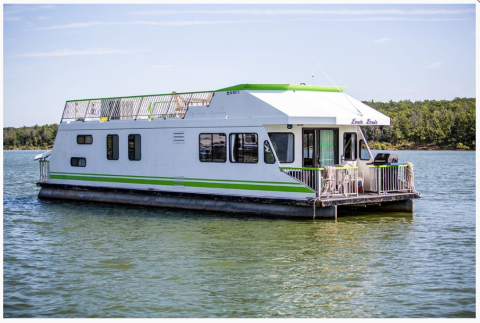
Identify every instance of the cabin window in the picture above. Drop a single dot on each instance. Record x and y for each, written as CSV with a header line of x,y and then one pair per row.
x,y
213,147
283,145
364,154
112,147
78,162
84,139
349,145
268,156
134,147
244,148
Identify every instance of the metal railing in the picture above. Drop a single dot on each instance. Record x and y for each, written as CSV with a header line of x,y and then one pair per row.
x,y
337,181
309,176
390,178
162,106
44,170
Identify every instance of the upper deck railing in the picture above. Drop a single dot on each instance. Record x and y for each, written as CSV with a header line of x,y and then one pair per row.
x,y
161,106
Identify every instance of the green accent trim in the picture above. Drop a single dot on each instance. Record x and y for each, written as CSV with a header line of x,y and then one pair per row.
x,y
173,178
239,87
351,167
282,87
388,166
274,188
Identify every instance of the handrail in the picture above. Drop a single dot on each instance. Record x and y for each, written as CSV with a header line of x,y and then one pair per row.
x,y
343,183
162,106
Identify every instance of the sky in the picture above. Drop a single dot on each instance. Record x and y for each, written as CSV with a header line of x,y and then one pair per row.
x,y
380,52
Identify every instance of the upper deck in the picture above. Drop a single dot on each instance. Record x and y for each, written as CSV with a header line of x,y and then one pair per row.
x,y
266,103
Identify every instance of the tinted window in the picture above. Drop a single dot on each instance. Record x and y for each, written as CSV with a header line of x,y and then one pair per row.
x,y
213,147
84,139
112,147
244,148
268,156
78,162
134,147
283,145
349,145
364,155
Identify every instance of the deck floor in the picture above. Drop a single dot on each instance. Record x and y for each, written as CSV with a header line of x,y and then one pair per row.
x,y
365,198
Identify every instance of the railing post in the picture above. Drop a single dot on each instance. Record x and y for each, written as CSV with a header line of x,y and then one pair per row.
x,y
138,110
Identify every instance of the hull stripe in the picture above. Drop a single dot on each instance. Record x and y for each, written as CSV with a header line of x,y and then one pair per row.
x,y
172,182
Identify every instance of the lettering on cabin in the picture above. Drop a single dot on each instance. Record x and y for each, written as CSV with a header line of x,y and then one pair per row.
x,y
233,92
369,121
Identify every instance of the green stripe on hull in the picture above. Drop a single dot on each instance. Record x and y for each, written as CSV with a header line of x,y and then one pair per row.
x,y
172,178
170,182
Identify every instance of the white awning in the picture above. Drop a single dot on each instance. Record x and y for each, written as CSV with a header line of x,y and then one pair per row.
x,y
308,107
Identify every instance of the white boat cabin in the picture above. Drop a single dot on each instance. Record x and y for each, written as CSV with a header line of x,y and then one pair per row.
x,y
262,142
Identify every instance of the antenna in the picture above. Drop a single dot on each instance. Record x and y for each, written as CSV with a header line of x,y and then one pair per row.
x,y
313,79
338,89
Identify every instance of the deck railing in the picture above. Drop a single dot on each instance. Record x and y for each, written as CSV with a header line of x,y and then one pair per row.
x,y
337,181
44,171
151,107
312,177
391,178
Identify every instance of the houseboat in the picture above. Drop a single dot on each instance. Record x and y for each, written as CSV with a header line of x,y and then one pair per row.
x,y
263,149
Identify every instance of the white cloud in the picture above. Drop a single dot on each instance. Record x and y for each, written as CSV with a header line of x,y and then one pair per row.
x,y
11,18
152,23
434,65
70,52
224,22
381,40
161,66
308,12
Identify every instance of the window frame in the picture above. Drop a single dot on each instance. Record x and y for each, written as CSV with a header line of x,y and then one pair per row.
x,y
360,150
212,133
288,133
232,146
354,145
265,143
113,147
135,147
84,140
78,159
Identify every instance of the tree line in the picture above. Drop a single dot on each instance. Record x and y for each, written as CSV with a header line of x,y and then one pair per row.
x,y
36,137
414,125
424,125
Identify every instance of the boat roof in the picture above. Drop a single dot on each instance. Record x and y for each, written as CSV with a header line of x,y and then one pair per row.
x,y
266,103
241,87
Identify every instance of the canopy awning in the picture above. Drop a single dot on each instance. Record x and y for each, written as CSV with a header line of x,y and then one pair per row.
x,y
322,107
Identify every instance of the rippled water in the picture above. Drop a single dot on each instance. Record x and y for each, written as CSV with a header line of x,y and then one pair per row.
x,y
72,259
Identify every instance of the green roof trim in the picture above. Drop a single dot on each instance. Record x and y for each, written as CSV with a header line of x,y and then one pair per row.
x,y
241,87
282,87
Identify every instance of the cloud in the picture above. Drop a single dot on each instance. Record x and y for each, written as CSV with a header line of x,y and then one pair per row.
x,y
224,22
307,12
12,18
381,40
161,66
152,23
70,52
434,65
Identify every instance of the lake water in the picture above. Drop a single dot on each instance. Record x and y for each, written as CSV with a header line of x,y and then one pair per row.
x,y
73,259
